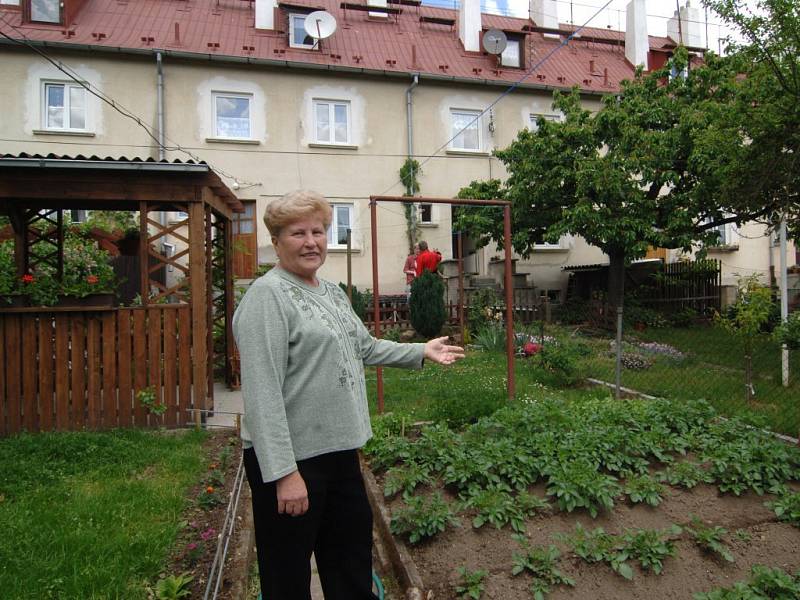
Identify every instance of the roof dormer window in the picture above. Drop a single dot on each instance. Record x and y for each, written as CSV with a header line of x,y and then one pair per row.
x,y
45,11
512,55
298,38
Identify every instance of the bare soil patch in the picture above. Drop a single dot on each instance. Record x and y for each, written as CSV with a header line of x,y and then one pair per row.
x,y
762,540
202,522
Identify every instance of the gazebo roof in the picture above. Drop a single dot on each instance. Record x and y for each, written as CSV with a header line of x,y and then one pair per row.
x,y
110,182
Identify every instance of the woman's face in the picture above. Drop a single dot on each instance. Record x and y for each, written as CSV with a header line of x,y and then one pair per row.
x,y
302,247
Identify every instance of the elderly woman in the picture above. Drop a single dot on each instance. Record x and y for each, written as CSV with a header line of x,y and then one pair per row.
x,y
303,352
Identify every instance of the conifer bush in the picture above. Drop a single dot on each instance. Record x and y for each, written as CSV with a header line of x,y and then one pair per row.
x,y
427,305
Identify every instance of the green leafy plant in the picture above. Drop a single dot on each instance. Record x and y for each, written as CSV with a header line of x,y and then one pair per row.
x,y
496,506
426,305
745,319
578,484
643,488
788,332
8,268
684,474
787,507
481,310
599,546
542,563
710,538
764,584
147,398
209,497
422,519
174,587
651,546
470,584
490,338
405,478
362,301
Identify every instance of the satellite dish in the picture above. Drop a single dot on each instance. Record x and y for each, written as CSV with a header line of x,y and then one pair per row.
x,y
494,41
320,24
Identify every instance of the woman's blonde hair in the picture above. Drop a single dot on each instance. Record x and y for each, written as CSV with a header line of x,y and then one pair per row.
x,y
294,206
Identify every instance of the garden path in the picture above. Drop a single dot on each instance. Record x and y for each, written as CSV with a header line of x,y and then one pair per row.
x,y
230,401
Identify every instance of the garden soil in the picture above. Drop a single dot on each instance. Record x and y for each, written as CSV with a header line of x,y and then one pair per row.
x,y
196,520
769,542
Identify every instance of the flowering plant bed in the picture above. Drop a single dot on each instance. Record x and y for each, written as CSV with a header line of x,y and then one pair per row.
x,y
588,498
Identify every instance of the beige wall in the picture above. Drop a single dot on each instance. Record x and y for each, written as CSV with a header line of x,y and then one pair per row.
x,y
281,155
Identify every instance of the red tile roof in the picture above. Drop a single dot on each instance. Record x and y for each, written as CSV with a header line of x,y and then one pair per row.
x,y
396,45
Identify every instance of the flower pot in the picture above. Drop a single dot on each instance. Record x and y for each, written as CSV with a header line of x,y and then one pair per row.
x,y
13,301
104,300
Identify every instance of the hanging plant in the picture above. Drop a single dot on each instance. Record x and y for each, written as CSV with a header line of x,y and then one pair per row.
x,y
408,176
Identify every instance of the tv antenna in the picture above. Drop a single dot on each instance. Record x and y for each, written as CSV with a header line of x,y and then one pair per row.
x,y
494,41
319,25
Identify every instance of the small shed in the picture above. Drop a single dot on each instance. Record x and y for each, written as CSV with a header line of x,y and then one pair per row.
x,y
75,367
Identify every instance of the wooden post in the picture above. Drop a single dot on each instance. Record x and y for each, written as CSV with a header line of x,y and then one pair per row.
x,y
144,255
460,248
349,265
229,301
197,287
373,217
509,282
209,294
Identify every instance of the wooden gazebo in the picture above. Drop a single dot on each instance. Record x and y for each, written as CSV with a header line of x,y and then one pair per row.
x,y
82,367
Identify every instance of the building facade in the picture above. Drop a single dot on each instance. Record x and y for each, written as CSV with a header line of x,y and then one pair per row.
x,y
243,86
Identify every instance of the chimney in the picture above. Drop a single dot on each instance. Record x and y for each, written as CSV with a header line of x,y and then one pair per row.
x,y
545,14
265,14
637,42
685,29
469,25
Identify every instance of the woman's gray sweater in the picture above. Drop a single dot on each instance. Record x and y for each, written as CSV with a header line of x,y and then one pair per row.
x,y
303,352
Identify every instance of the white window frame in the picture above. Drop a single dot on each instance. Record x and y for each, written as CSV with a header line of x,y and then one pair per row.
x,y
432,220
68,86
215,124
332,243
729,238
471,114
510,58
293,43
534,117
561,244
332,104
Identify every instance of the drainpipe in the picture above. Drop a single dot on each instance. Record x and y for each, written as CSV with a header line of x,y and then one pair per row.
x,y
410,130
160,106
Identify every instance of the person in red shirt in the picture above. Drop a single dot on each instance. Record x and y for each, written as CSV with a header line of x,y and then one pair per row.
x,y
410,268
427,260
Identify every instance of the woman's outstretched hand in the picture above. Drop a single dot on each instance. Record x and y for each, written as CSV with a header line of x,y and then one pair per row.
x,y
439,352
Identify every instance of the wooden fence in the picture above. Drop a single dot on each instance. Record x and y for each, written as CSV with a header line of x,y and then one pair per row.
x,y
696,285
82,369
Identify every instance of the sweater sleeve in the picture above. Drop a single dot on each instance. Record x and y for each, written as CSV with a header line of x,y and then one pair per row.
x,y
261,329
375,352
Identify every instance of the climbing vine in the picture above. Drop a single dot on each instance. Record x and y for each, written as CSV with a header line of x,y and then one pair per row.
x,y
408,176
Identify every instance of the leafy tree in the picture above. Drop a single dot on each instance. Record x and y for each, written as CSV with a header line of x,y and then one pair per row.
x,y
770,59
745,319
426,305
645,170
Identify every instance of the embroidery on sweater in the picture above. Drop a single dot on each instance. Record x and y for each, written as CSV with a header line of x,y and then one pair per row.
x,y
313,309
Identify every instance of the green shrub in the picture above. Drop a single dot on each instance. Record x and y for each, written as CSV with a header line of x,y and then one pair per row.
x,y
362,301
426,305
573,311
490,338
789,332
481,308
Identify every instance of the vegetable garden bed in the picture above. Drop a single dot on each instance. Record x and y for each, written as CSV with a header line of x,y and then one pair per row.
x,y
660,477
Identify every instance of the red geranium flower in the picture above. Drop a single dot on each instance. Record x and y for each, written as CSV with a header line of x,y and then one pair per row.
x,y
27,278
531,348
92,279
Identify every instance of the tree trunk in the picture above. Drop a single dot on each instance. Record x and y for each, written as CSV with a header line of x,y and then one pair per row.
x,y
616,284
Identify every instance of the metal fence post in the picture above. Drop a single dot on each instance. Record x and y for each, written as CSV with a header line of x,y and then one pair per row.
x,y
619,353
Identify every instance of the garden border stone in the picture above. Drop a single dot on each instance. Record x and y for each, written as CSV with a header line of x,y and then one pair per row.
x,y
400,561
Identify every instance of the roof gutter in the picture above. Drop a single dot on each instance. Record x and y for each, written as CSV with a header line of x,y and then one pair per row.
x,y
287,64
115,165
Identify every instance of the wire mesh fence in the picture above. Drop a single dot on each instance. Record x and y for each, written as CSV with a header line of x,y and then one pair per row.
x,y
684,356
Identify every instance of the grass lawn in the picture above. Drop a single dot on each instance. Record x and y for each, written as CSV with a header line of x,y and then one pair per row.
x,y
713,369
91,515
